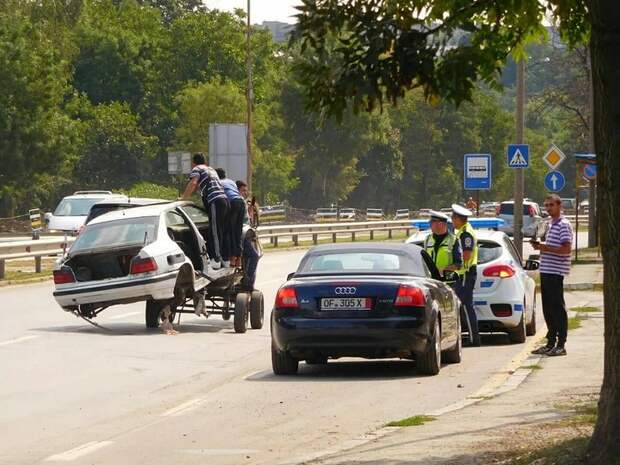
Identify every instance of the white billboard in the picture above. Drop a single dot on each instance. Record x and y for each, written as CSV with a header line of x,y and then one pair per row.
x,y
228,149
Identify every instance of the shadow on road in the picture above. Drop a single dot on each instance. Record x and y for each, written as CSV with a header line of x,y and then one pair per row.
x,y
137,329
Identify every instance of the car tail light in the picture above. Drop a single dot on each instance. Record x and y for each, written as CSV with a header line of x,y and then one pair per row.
x,y
143,265
64,276
501,310
499,271
409,296
286,298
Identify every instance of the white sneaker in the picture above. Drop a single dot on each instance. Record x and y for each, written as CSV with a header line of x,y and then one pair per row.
x,y
215,265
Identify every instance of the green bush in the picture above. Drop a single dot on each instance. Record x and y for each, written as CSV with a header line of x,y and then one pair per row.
x,y
152,191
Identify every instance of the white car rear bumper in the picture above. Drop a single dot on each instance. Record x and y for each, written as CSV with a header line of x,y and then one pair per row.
x,y
117,291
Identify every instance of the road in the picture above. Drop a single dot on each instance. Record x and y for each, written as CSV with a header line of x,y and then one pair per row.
x,y
74,393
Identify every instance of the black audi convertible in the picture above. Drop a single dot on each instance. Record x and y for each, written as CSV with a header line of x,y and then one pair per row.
x,y
369,300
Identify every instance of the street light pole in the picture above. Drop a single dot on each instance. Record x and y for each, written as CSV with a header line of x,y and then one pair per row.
x,y
249,97
518,187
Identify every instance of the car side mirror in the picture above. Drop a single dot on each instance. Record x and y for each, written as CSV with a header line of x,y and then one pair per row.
x,y
290,276
450,276
531,265
544,214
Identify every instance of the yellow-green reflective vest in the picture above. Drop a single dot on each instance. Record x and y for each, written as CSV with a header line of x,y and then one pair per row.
x,y
473,260
444,252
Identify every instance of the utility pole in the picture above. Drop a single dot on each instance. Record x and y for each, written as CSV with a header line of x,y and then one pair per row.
x,y
249,97
518,188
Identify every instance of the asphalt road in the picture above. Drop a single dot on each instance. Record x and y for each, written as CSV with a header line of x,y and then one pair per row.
x,y
74,393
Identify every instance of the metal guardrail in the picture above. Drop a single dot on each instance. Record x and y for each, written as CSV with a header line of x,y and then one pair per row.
x,y
36,249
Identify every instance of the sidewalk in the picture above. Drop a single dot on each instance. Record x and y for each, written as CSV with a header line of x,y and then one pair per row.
x,y
585,276
506,423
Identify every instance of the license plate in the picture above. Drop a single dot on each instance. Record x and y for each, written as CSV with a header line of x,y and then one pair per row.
x,y
346,303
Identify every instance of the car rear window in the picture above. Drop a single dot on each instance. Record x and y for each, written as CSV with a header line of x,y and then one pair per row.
x,y
363,261
76,207
488,251
509,209
117,234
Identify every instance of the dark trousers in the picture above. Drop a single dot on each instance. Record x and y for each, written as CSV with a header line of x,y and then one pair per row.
x,y
235,223
250,258
465,291
218,221
554,308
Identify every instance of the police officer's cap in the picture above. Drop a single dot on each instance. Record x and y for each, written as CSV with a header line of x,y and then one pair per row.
x,y
461,211
438,216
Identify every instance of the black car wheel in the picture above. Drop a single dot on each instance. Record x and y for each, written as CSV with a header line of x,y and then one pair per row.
x,y
518,335
153,310
283,363
429,361
241,313
454,355
257,310
530,329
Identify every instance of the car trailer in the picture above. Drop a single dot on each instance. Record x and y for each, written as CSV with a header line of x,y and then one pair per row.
x,y
225,297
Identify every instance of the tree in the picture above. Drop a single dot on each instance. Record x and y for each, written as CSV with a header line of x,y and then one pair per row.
x,y
366,52
116,153
37,136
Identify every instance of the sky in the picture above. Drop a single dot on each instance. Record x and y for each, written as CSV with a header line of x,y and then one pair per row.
x,y
261,10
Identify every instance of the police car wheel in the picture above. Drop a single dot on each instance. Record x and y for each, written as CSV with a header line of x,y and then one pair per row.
x,y
531,326
518,335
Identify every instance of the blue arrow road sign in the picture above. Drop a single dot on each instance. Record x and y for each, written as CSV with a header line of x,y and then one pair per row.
x,y
477,172
554,181
518,156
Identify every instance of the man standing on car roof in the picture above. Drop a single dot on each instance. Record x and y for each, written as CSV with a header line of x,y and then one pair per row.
x,y
442,245
205,179
469,244
237,212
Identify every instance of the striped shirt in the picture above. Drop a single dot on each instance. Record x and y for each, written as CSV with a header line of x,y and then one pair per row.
x,y
560,232
208,183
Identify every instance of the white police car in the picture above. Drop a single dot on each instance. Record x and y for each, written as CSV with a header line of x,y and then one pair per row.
x,y
70,214
505,295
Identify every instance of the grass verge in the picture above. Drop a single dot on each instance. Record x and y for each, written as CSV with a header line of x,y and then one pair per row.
x,y
25,275
574,322
585,309
416,420
531,367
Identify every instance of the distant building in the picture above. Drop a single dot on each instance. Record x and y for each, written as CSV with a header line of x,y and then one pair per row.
x,y
279,31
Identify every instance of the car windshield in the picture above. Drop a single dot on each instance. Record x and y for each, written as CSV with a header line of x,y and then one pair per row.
x,y
362,262
76,207
488,251
117,234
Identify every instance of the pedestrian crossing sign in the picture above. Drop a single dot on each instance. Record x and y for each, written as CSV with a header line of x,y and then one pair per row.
x,y
518,156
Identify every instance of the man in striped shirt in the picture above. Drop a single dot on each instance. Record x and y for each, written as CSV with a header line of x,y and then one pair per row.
x,y
205,179
554,266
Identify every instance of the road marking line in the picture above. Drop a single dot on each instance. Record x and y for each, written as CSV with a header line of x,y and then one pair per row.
x,y
124,315
184,407
219,451
78,452
18,339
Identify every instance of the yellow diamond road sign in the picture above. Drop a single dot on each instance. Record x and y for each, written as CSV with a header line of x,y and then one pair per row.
x,y
554,157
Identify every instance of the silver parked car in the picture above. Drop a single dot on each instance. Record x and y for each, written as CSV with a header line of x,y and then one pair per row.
x,y
532,218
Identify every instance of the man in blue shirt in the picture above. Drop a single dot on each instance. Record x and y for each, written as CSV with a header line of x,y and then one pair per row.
x,y
204,179
234,230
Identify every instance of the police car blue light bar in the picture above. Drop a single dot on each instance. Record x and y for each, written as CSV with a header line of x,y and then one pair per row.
x,y
477,223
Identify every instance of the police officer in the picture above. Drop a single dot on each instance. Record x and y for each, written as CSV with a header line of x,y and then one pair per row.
x,y
442,245
465,289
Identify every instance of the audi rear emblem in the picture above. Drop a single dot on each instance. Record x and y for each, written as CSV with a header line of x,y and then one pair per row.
x,y
345,290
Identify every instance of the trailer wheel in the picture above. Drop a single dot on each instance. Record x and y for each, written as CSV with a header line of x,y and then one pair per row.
x,y
257,310
153,310
241,313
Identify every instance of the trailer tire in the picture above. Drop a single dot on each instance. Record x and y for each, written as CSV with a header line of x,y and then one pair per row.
x,y
257,310
241,313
